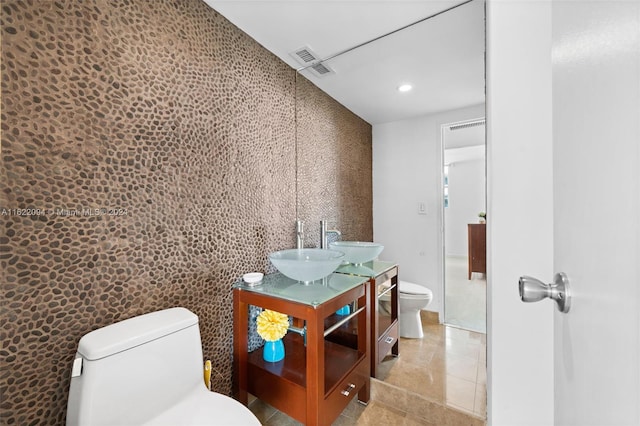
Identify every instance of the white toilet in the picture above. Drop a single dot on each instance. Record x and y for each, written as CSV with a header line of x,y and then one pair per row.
x,y
413,298
147,370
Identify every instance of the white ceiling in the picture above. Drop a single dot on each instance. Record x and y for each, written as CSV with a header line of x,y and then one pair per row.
x,y
442,57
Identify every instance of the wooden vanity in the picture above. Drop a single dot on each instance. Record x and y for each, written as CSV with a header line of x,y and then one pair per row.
x,y
383,281
319,377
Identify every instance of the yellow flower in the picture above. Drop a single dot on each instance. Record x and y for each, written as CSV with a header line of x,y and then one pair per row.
x,y
272,325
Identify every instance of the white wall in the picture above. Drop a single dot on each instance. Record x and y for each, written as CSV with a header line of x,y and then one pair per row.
x,y
466,200
520,211
407,170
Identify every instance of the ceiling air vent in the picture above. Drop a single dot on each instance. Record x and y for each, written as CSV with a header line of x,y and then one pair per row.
x,y
321,69
309,60
305,55
467,125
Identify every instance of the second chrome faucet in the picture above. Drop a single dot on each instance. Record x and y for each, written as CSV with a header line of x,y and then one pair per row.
x,y
299,234
324,232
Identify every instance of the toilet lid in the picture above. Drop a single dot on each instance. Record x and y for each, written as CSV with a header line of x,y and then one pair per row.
x,y
411,288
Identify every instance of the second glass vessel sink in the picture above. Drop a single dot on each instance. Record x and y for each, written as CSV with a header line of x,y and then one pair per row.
x,y
357,252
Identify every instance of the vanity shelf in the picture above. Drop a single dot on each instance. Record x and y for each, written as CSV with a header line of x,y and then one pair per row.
x,y
314,382
383,279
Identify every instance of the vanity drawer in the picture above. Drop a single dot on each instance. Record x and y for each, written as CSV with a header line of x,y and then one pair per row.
x,y
346,390
386,342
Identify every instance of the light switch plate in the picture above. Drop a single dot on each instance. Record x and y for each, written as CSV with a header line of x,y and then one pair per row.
x,y
422,207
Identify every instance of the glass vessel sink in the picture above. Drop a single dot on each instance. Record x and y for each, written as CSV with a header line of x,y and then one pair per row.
x,y
357,252
306,264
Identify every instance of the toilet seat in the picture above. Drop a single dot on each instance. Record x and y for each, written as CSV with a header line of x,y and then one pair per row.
x,y
203,407
407,290
412,289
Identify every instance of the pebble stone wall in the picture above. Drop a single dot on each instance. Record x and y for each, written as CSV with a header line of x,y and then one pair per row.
x,y
148,161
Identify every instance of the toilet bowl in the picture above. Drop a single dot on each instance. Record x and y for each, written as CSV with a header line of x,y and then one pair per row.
x,y
412,299
147,370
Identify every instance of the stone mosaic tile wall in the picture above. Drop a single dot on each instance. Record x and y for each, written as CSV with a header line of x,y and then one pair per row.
x,y
148,160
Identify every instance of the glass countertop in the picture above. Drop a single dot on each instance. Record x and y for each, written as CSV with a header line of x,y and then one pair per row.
x,y
314,293
367,269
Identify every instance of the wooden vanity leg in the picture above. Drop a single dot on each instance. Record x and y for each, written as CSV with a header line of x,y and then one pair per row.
x,y
315,369
372,313
365,345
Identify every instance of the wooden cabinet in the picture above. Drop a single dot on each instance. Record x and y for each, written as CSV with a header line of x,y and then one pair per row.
x,y
318,377
477,248
384,308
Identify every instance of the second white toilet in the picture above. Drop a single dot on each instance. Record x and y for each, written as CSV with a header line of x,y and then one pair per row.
x,y
413,298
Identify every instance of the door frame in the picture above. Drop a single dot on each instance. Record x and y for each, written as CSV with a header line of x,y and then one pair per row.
x,y
520,380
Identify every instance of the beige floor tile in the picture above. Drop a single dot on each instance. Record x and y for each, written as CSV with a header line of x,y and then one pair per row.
x,y
480,402
434,387
482,337
386,393
345,421
414,421
463,367
354,409
459,418
281,419
439,362
482,374
427,382
482,355
417,351
379,414
463,347
433,333
460,393
261,410
430,412
458,333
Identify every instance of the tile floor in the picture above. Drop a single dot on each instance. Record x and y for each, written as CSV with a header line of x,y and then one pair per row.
x,y
437,380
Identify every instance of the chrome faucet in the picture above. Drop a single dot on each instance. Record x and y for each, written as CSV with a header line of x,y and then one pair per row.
x,y
299,234
323,234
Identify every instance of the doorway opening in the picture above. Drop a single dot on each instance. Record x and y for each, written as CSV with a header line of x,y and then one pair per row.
x,y
464,230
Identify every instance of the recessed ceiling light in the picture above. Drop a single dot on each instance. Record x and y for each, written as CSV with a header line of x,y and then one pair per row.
x,y
404,87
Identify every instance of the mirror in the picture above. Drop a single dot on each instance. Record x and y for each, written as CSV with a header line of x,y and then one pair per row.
x,y
443,57
333,146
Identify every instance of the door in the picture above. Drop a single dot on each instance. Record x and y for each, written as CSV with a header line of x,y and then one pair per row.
x,y
563,167
596,163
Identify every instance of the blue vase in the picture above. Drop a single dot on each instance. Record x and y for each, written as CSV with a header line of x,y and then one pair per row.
x,y
273,351
345,310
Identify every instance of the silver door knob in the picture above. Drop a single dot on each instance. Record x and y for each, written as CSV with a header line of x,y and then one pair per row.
x,y
534,290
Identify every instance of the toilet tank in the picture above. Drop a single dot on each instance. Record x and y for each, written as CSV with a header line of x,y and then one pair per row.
x,y
128,372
